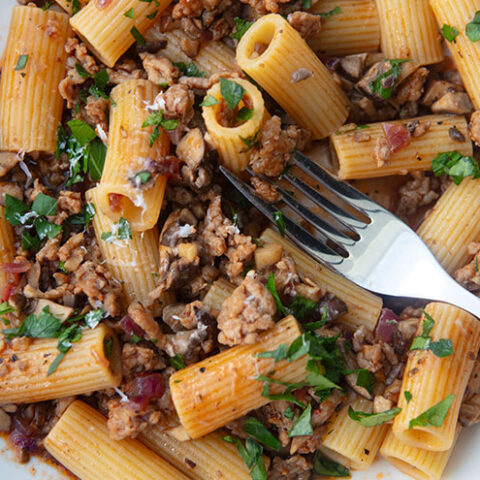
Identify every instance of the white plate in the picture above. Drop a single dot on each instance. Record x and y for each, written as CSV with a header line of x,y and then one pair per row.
x,y
464,464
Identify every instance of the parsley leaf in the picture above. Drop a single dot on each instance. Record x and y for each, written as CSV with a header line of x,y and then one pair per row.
x,y
22,62
335,11
258,430
456,166
177,361
190,70
365,378
288,413
156,119
384,83
241,26
251,141
45,205
303,425
137,36
82,132
81,71
278,354
251,454
278,217
407,395
273,290
30,242
232,92
129,13
434,416
46,229
373,419
100,80
244,114
472,29
120,230
141,178
45,325
442,348
208,101
84,217
328,468
302,307
93,317
6,308
15,211
450,33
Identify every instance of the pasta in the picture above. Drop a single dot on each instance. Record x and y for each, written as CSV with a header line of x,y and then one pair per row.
x,y
222,388
448,228
356,19
419,464
68,5
231,142
85,369
355,157
363,307
217,294
81,442
113,32
409,31
6,256
352,444
203,459
465,52
430,379
302,94
133,262
33,65
122,191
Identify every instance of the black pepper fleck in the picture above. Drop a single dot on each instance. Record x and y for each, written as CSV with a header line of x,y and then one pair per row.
x,y
202,369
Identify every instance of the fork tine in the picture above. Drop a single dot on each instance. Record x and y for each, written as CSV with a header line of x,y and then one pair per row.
x,y
298,234
321,225
346,192
342,216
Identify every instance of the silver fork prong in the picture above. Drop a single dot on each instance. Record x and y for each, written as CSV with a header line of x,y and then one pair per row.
x,y
321,225
346,192
342,216
298,234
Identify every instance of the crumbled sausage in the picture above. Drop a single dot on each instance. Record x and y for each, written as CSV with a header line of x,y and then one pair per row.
x,y
381,152
305,23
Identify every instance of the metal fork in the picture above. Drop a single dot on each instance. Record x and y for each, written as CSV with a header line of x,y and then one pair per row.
x,y
386,256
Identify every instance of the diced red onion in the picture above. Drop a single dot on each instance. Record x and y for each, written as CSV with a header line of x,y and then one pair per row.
x,y
145,387
331,63
15,267
398,136
387,324
130,327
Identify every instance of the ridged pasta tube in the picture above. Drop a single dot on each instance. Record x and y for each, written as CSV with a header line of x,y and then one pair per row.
x,y
33,65
293,75
219,291
7,251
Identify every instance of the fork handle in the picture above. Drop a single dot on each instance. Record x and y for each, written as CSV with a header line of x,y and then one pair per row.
x,y
454,293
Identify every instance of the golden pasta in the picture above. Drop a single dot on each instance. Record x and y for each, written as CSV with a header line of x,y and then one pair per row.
x,y
85,368
231,142
209,394
67,5
452,224
217,294
112,32
293,75
122,191
80,441
409,30
357,21
431,379
354,149
7,251
33,65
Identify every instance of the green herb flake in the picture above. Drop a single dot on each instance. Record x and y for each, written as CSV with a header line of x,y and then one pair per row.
x,y
251,454
449,33
47,5
177,361
21,62
241,26
135,339
258,431
46,229
137,36
76,7
82,132
472,29
190,70
130,13
456,166
45,205
273,290
141,178
306,4
81,71
288,413
442,348
121,231
244,114
373,419
152,15
209,101
16,212
377,86
278,217
5,308
335,11
325,467
408,396
93,317
303,425
108,346
251,141
30,242
231,92
434,416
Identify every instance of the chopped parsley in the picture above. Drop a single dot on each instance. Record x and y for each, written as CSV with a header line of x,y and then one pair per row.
x,y
76,7
288,413
21,62
156,119
130,13
278,217
120,231
141,178
442,348
47,5
365,378
177,361
407,395
306,4
100,81
384,84
84,217
472,30
251,454
373,419
93,317
251,141
325,467
257,430
137,36
303,425
335,11
449,33
152,15
135,339
231,92
241,26
81,71
456,166
208,101
434,416
190,70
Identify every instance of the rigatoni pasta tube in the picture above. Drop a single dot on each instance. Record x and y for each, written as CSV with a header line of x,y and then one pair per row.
x,y
349,443
207,458
209,394
363,307
84,369
112,32
408,30
232,142
133,262
7,251
33,66
430,379
453,223
67,5
219,291
465,52
357,21
213,56
354,149
293,75
122,192
415,462
80,441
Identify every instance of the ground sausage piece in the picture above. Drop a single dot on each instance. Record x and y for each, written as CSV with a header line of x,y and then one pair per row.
x,y
179,103
474,127
136,360
159,69
249,310
266,190
293,468
381,153
305,23
144,319
415,194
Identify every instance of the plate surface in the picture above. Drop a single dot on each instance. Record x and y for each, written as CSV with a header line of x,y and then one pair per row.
x,y
464,464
